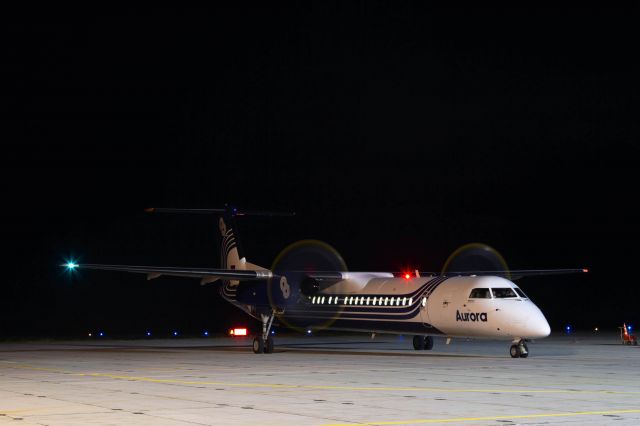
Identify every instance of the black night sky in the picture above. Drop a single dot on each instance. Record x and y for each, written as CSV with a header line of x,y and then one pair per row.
x,y
396,132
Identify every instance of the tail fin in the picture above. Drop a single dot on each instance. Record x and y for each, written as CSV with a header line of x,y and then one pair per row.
x,y
231,252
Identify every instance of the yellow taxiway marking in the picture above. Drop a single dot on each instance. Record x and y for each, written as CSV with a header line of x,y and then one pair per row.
x,y
316,387
479,419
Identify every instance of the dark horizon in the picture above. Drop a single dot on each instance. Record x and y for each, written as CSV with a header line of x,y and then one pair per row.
x,y
397,133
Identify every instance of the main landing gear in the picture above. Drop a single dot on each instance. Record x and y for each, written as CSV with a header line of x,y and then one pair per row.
x,y
422,343
264,343
519,349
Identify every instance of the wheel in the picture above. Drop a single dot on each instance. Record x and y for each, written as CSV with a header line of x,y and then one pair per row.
x,y
428,343
258,345
418,343
268,345
524,350
514,351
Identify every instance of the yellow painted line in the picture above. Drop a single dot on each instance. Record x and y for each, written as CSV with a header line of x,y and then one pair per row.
x,y
315,387
479,419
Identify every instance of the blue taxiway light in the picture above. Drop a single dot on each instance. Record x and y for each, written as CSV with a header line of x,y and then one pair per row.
x,y
308,331
568,329
101,334
148,333
175,333
629,327
206,333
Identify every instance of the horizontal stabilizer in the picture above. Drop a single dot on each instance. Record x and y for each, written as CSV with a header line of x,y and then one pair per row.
x,y
231,210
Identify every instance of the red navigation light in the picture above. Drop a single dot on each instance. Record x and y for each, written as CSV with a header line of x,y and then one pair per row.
x,y
585,270
238,332
407,276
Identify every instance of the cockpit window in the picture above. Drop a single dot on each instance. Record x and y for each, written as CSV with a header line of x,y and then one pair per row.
x,y
520,293
501,293
480,293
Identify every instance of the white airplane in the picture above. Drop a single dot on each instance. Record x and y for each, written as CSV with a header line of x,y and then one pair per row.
x,y
309,288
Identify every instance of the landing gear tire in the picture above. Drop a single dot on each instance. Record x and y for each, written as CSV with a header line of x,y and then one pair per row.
x,y
258,345
520,350
268,346
418,343
428,343
514,351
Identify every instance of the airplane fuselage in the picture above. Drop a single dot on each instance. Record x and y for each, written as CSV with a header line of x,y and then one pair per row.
x,y
466,306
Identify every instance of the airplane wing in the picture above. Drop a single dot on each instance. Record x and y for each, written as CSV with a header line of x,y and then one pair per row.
x,y
513,274
211,274
206,274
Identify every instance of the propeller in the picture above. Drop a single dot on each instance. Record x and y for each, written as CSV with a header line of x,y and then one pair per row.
x,y
476,257
291,285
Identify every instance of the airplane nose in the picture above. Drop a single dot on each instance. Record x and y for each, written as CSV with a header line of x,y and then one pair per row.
x,y
541,329
537,326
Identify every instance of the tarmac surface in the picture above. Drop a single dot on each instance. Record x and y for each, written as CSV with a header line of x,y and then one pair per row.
x,y
320,380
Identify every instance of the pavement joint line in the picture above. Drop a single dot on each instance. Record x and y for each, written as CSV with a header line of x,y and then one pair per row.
x,y
317,387
485,418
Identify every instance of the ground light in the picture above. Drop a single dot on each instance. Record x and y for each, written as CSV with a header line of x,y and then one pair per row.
x,y
567,329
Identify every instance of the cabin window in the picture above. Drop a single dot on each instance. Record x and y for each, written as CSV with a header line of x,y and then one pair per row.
x,y
480,293
502,293
367,300
520,293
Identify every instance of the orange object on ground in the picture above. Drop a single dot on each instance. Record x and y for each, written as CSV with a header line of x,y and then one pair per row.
x,y
626,337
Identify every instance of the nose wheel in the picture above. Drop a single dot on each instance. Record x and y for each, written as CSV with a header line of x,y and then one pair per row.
x,y
519,349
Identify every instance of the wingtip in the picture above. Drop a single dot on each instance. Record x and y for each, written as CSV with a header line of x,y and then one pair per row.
x,y
150,210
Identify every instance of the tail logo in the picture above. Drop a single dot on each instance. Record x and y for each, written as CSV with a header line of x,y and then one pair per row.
x,y
285,288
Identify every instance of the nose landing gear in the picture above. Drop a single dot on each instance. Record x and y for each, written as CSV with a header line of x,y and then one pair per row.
x,y
519,349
